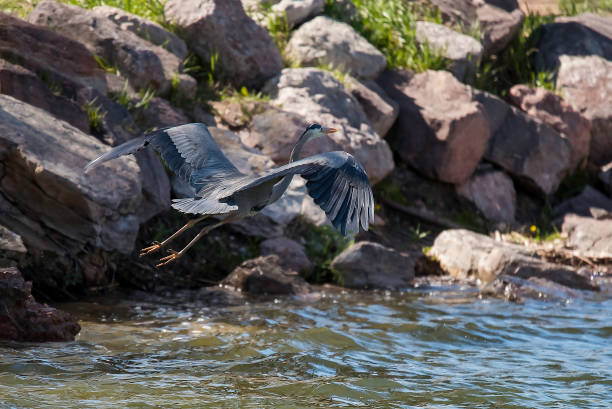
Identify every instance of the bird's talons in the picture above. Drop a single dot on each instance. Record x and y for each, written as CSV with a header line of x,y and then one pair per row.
x,y
149,250
169,259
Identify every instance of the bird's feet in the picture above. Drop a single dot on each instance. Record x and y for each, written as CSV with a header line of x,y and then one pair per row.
x,y
151,249
169,259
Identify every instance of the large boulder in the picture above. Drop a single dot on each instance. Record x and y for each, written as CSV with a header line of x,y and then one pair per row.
x,y
324,41
466,254
247,54
532,152
24,319
291,253
372,265
265,276
551,109
492,191
48,200
589,237
463,51
579,49
48,53
381,110
586,84
499,21
22,84
442,131
145,29
318,97
143,63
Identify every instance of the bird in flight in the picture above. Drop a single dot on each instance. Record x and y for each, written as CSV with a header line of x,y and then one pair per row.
x,y
335,180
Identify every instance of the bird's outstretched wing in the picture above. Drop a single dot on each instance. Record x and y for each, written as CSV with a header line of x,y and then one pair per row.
x,y
336,182
188,150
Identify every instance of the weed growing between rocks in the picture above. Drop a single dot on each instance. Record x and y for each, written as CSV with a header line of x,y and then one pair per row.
x,y
322,244
497,73
390,26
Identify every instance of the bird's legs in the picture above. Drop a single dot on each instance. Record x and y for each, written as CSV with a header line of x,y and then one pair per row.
x,y
176,254
156,246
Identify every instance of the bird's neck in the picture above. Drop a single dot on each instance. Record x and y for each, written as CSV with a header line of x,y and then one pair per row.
x,y
284,183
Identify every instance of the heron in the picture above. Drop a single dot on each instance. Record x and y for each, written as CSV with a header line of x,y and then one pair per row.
x,y
335,180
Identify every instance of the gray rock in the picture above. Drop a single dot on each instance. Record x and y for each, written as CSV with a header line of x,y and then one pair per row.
x,y
143,63
381,110
499,21
586,84
275,132
26,86
247,53
580,36
493,194
532,152
265,276
589,203
159,113
291,253
605,176
463,50
551,109
10,241
324,41
318,97
466,254
65,61
589,237
145,29
53,199
372,265
441,131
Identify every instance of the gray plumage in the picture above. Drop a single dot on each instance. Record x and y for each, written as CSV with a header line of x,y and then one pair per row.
x,y
335,180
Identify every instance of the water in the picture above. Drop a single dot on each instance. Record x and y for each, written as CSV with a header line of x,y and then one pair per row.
x,y
442,349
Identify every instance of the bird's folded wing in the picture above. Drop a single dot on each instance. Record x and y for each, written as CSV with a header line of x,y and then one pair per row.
x,y
336,182
188,150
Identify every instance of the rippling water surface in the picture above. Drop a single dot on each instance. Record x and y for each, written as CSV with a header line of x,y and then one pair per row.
x,y
426,349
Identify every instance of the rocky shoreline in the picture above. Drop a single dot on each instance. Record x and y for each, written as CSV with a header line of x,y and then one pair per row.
x,y
508,193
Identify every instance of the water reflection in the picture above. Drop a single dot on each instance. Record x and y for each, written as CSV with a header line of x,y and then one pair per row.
x,y
446,349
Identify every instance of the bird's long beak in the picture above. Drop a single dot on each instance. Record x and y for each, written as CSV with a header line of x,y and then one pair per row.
x,y
330,130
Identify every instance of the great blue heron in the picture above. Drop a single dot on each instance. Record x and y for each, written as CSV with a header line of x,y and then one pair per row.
x,y
335,180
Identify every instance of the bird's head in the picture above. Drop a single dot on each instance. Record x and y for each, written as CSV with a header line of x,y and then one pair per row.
x,y
316,130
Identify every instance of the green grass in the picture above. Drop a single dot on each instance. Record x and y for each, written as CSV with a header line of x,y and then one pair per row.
x,y
95,116
573,7
390,25
322,244
515,64
150,9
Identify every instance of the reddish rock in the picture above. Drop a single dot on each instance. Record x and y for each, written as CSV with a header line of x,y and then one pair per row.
x,y
24,85
265,276
441,131
532,152
24,319
290,252
551,109
492,192
247,53
46,52
381,110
